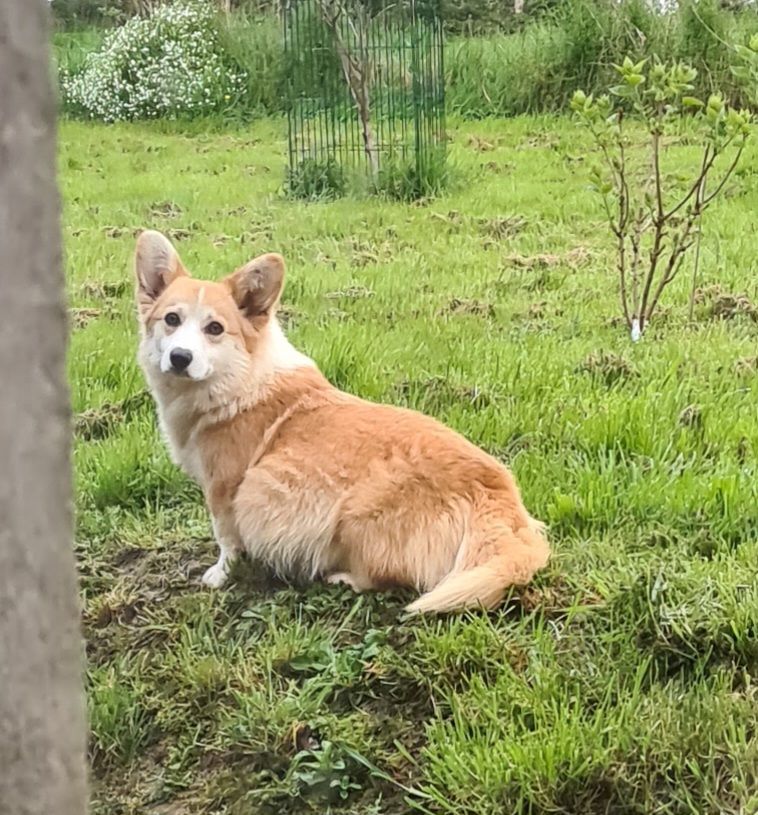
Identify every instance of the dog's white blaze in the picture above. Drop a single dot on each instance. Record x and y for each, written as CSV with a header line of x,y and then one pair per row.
x,y
189,336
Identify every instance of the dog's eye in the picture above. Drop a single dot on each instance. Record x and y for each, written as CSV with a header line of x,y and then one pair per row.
x,y
214,328
172,319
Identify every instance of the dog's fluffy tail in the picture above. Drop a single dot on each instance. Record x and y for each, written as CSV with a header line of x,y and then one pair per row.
x,y
519,554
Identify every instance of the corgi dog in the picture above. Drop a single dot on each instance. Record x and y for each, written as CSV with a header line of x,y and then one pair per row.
x,y
315,482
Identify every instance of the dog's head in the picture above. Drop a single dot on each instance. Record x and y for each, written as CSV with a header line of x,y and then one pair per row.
x,y
199,331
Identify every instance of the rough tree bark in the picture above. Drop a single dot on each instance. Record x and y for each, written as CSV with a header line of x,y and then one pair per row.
x,y
42,726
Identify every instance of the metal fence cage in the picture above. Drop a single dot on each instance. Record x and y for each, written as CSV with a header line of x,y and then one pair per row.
x,y
366,95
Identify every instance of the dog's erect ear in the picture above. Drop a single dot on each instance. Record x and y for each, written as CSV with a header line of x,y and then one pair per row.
x,y
257,287
156,265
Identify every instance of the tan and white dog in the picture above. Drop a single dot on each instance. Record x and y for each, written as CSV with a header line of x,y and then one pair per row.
x,y
310,480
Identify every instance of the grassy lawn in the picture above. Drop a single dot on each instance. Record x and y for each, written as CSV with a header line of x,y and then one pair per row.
x,y
622,681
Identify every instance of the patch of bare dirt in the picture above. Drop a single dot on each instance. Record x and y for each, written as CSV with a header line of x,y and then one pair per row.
x,y
165,209
288,315
481,145
545,140
503,228
474,307
494,229
350,293
437,391
100,422
499,168
365,253
746,366
607,367
105,291
574,258
82,317
121,231
177,234
724,305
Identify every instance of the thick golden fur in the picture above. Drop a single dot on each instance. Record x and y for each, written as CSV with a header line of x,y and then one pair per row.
x,y
313,481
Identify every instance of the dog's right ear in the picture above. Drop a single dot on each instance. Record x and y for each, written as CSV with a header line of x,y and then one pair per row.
x,y
156,265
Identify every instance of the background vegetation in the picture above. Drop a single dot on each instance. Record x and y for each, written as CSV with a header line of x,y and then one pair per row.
x,y
533,66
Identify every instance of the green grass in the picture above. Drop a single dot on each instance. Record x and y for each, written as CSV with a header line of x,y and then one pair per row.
x,y
622,681
70,48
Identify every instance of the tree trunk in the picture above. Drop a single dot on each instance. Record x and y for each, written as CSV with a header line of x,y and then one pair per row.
x,y
42,726
357,72
356,66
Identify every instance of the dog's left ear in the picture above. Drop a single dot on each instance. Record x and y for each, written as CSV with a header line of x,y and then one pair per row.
x,y
257,287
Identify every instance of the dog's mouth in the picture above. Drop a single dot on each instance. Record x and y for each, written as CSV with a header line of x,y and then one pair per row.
x,y
184,375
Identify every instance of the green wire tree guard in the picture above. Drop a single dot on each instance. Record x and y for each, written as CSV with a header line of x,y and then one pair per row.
x,y
365,97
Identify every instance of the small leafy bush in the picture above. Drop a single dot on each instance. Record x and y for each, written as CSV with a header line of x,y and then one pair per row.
x,y
404,179
654,219
312,179
325,773
168,65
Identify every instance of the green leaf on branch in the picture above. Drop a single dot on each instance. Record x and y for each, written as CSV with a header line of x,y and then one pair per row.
x,y
623,91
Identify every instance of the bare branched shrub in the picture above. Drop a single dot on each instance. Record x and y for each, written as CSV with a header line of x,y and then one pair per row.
x,y
654,217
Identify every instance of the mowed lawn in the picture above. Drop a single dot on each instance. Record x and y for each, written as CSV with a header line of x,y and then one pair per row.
x,y
622,681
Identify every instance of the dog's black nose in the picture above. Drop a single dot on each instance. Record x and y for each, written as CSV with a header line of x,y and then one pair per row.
x,y
180,359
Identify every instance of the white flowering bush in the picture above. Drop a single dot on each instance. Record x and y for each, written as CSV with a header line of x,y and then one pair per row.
x,y
168,65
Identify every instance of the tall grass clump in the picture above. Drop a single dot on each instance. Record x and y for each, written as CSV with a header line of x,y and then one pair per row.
x,y
254,43
404,179
71,49
538,68
171,64
504,75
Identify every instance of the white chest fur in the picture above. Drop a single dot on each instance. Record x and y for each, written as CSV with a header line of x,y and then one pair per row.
x,y
180,438
178,421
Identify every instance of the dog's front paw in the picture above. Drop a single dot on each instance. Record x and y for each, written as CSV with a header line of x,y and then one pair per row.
x,y
344,579
216,576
